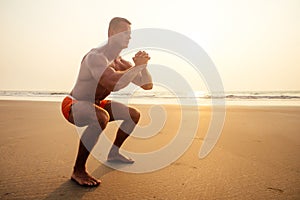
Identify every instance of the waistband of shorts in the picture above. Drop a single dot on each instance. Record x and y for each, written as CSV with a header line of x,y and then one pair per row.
x,y
71,97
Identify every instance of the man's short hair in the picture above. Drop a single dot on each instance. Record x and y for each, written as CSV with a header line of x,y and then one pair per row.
x,y
115,22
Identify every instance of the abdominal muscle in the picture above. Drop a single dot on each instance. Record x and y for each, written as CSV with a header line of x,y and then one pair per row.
x,y
89,91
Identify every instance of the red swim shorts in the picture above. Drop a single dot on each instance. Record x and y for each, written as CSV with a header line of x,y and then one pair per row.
x,y
69,101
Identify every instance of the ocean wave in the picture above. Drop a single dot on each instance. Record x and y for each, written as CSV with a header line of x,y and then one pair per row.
x,y
286,95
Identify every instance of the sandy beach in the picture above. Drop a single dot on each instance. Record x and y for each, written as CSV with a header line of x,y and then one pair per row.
x,y
256,157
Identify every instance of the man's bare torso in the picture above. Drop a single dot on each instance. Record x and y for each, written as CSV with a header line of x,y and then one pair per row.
x,y
87,88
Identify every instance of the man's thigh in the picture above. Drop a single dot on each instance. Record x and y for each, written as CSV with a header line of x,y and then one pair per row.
x,y
84,113
119,111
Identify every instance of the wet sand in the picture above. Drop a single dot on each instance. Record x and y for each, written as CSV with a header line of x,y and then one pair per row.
x,y
256,157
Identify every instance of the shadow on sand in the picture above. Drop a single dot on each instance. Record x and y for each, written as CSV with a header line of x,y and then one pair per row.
x,y
71,190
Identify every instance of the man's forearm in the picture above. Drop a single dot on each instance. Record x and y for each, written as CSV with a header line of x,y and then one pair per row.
x,y
128,76
146,77
143,78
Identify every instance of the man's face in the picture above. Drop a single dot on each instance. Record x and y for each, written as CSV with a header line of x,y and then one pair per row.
x,y
121,35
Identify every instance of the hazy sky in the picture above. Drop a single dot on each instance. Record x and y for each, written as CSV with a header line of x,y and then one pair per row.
x,y
254,44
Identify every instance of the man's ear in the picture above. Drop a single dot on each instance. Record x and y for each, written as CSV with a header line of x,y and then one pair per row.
x,y
110,32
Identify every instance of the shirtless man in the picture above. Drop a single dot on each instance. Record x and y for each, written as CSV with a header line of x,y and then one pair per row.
x,y
103,71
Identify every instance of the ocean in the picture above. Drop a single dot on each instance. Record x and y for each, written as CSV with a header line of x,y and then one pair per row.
x,y
281,98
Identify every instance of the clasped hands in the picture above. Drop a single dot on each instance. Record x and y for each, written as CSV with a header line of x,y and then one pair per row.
x,y
141,58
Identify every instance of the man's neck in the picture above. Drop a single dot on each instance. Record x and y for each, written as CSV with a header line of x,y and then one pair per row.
x,y
112,51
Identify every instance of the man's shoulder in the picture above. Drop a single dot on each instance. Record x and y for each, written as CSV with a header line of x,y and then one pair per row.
x,y
97,53
96,56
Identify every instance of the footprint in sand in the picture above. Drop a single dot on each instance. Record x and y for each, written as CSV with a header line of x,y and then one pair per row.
x,y
275,189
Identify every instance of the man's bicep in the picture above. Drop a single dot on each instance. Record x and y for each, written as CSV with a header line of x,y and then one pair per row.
x,y
109,78
126,63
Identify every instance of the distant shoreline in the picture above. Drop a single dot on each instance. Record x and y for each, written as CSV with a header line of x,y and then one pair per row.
x,y
244,103
281,98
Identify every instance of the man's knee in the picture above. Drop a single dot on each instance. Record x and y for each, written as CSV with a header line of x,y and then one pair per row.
x,y
102,120
135,115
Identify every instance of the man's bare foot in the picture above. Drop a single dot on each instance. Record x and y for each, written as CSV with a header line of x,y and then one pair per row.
x,y
117,157
84,179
